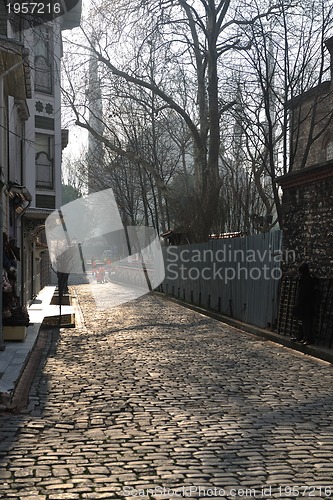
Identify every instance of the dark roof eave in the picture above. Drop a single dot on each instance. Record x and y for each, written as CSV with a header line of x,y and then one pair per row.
x,y
308,174
322,88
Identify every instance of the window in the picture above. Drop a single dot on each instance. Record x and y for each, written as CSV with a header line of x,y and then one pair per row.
x,y
329,150
43,60
44,161
45,201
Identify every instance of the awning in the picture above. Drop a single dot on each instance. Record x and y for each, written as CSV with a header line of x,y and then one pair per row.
x,y
37,213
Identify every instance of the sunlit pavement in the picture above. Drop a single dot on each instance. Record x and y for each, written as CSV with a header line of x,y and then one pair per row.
x,y
153,400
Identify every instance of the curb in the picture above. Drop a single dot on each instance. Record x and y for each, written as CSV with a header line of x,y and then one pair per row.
x,y
20,396
315,351
7,398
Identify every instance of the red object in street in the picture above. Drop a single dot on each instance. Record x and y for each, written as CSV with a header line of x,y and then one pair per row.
x,y
100,275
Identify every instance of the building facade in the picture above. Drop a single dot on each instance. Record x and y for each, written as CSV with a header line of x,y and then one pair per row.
x,y
308,209
308,188
31,139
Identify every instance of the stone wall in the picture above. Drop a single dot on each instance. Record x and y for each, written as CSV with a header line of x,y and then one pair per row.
x,y
307,207
308,224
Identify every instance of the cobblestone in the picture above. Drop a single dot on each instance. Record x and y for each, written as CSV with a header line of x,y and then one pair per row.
x,y
151,395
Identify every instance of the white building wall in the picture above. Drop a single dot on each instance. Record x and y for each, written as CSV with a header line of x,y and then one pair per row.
x,y
31,122
45,118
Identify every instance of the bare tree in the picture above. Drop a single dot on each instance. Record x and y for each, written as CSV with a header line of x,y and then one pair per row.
x,y
286,59
186,40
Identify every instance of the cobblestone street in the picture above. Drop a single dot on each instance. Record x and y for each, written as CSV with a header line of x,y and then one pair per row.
x,y
152,399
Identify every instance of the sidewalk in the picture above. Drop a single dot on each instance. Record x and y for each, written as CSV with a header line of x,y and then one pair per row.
x,y
16,354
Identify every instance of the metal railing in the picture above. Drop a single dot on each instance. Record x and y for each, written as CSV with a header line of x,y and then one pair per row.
x,y
238,277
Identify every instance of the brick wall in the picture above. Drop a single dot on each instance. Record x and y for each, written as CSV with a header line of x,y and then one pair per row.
x,y
311,115
311,131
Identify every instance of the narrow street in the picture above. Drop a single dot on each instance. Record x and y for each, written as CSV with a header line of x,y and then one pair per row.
x,y
150,399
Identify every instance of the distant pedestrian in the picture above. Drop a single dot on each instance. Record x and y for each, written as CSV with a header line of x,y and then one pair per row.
x,y
305,305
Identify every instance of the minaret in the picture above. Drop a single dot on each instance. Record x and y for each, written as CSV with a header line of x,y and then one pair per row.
x,y
329,46
95,156
271,118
